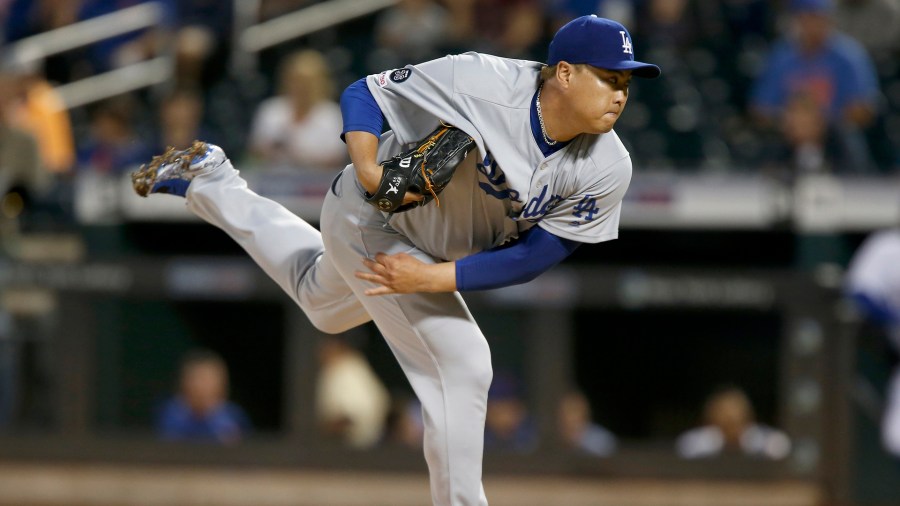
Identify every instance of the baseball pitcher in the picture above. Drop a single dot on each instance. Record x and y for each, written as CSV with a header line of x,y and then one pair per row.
x,y
493,171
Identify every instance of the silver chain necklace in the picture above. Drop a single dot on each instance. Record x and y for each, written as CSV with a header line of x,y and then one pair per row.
x,y
547,138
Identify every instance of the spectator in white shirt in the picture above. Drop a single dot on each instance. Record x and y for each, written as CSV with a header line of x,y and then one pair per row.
x,y
301,127
730,427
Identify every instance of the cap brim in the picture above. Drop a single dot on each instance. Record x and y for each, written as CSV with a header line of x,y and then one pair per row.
x,y
637,68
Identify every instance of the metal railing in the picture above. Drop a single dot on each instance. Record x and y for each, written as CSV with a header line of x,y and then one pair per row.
x,y
251,37
115,82
306,21
33,50
40,46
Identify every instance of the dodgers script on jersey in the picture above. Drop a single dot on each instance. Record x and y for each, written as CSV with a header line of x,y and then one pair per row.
x,y
508,185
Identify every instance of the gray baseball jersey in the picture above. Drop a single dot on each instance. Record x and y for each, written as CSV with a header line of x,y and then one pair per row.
x,y
575,193
503,188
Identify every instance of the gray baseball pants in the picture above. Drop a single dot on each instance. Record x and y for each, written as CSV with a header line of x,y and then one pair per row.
x,y
433,336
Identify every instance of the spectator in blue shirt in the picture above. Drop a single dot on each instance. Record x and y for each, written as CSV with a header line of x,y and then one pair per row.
x,y
578,430
112,144
834,69
508,425
816,59
201,410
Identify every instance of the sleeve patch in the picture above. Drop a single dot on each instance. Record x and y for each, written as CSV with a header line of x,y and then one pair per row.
x,y
396,75
400,75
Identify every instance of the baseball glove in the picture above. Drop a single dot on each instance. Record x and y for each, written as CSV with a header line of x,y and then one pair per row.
x,y
426,169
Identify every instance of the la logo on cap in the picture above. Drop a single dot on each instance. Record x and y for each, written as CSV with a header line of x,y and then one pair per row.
x,y
596,41
626,44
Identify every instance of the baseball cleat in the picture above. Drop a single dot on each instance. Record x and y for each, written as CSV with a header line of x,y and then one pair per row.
x,y
172,171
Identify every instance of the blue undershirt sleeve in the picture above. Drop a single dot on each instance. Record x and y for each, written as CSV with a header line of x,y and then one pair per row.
x,y
533,253
360,111
875,310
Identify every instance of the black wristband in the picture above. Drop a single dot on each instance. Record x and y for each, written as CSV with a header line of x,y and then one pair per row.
x,y
390,193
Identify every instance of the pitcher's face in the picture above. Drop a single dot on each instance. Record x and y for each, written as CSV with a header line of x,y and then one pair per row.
x,y
597,97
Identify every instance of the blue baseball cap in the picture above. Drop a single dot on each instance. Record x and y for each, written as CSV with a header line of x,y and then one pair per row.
x,y
599,42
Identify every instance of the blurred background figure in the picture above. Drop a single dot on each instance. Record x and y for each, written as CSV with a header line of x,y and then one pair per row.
x,y
730,427
202,41
669,23
181,120
509,28
301,127
113,146
560,12
398,45
578,429
509,426
817,61
201,411
22,175
873,282
34,106
36,153
405,425
352,404
805,143
805,130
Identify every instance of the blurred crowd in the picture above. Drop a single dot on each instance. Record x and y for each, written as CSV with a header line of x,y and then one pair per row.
x,y
775,87
353,407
